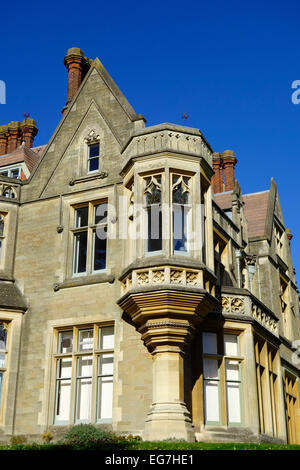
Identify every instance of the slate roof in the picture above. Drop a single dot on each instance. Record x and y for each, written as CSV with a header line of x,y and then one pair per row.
x,y
11,297
23,154
256,211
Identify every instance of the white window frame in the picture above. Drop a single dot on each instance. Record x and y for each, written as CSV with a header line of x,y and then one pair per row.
x,y
95,353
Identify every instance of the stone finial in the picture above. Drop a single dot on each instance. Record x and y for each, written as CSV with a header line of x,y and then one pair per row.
x,y
288,234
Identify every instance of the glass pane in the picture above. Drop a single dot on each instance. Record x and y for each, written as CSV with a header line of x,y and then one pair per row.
x,y
1,383
65,342
80,250
106,364
1,226
232,370
210,369
64,368
154,223
81,217
106,336
99,251
94,150
209,343
211,400
3,337
85,340
231,345
233,403
105,397
4,173
63,394
83,402
15,174
180,214
100,213
153,195
2,361
94,164
84,366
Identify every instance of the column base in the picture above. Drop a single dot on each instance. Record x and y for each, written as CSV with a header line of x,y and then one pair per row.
x,y
169,420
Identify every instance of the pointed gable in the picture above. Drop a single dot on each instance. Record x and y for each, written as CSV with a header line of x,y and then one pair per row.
x,y
98,105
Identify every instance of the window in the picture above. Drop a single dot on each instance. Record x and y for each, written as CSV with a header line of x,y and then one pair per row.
x,y
3,354
152,198
180,211
284,302
279,241
221,367
9,193
266,358
11,173
291,404
93,157
90,235
2,234
84,375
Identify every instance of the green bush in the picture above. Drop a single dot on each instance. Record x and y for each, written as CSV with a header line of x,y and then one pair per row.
x,y
17,440
87,435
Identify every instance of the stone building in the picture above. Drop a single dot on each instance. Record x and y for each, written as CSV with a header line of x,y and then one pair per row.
x,y
140,290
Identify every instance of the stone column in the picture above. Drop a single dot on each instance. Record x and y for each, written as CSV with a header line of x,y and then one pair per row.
x,y
167,320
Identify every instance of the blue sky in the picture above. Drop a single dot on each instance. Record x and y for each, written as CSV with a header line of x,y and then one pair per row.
x,y
229,65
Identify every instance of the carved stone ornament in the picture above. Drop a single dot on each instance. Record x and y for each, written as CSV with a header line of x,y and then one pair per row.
x,y
92,137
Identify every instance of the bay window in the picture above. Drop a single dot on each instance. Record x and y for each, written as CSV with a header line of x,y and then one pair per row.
x,y
84,375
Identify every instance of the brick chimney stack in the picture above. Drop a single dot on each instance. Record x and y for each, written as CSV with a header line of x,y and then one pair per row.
x,y
13,135
217,179
29,131
3,139
229,162
77,66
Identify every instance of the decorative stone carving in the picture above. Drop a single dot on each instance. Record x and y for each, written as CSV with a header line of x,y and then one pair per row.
x,y
142,278
158,276
92,137
176,276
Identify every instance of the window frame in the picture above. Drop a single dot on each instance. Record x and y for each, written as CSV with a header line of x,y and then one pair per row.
x,y
91,230
146,207
188,208
221,357
3,218
74,356
9,171
89,158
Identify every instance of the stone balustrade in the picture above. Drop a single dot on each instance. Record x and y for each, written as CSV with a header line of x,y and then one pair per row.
x,y
247,306
162,275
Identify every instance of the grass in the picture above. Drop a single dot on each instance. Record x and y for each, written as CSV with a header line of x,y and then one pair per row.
x,y
145,445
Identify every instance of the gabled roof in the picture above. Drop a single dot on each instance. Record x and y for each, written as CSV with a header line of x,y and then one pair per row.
x,y
23,154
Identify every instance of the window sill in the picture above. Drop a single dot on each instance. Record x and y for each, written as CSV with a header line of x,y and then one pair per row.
x,y
90,177
84,281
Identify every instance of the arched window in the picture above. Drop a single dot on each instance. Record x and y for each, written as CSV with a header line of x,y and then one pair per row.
x,y
153,199
9,193
181,207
